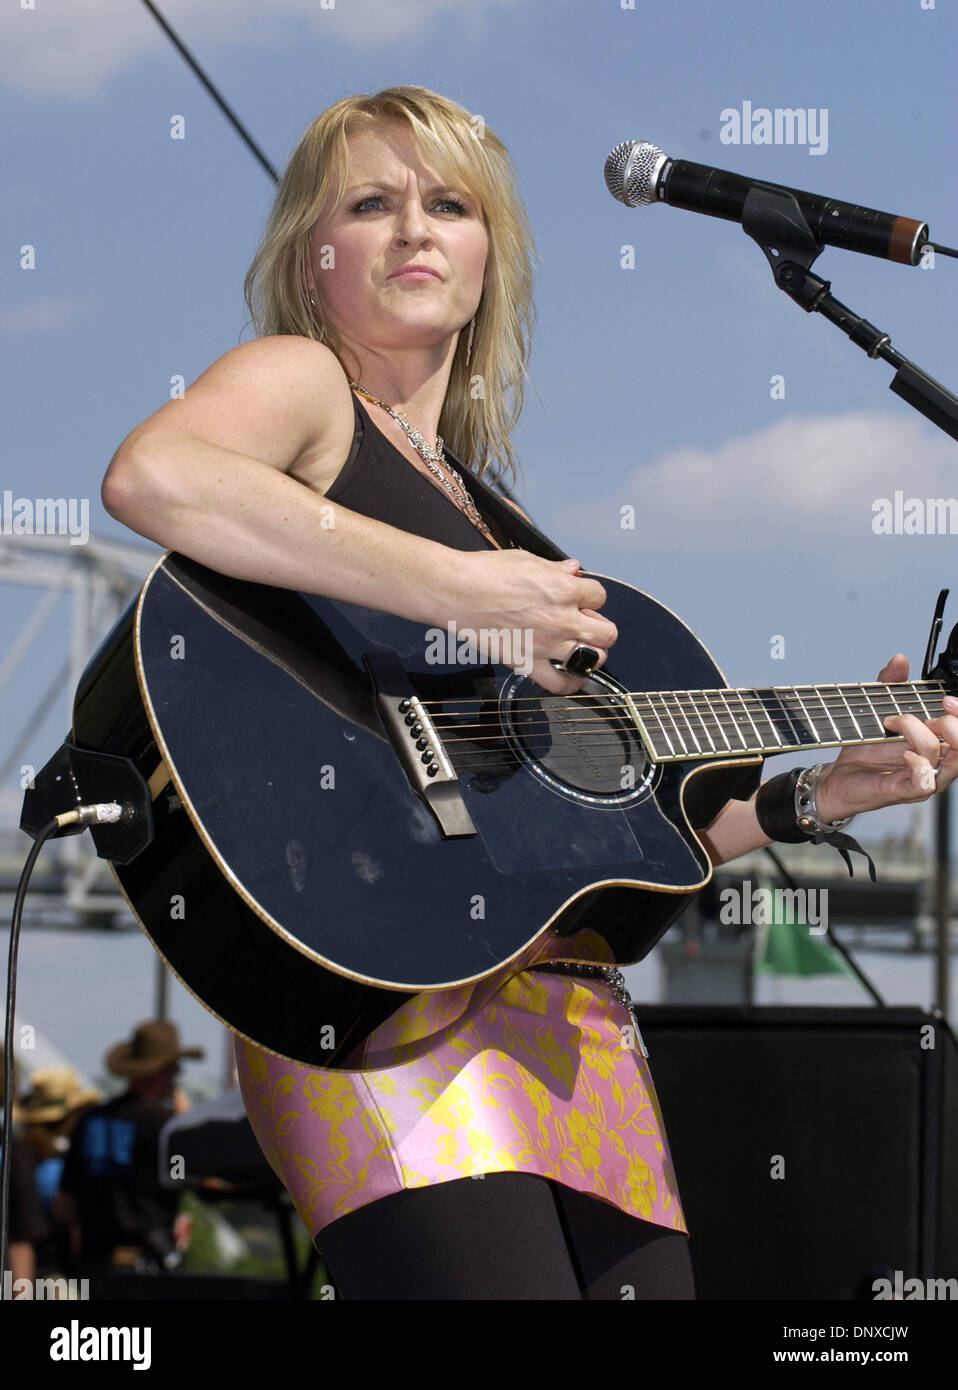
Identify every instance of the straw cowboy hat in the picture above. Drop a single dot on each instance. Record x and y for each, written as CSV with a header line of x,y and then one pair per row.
x,y
55,1093
154,1045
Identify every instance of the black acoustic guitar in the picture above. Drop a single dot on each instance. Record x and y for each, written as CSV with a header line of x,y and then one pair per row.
x,y
340,819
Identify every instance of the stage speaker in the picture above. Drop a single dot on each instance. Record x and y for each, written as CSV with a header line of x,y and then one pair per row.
x,y
816,1150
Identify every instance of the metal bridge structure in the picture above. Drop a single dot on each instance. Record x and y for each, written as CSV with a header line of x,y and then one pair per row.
x,y
96,580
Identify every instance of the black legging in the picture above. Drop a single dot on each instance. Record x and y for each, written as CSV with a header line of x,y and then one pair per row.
x,y
502,1236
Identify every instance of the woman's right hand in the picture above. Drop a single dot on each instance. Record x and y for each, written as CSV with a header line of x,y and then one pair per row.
x,y
234,475
530,611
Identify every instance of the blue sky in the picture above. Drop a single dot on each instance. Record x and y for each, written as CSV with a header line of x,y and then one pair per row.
x,y
651,386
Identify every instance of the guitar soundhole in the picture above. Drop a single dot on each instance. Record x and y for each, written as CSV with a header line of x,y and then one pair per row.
x,y
585,744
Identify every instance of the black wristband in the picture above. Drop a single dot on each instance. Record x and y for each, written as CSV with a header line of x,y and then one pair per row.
x,y
777,818
775,808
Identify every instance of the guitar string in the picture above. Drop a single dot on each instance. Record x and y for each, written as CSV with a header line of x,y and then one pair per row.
x,y
658,754
880,691
668,745
725,719
604,736
685,754
607,738
719,700
610,764
493,759
621,753
894,698
663,749
783,717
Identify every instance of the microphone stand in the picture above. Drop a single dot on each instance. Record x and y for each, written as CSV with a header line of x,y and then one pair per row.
x,y
773,218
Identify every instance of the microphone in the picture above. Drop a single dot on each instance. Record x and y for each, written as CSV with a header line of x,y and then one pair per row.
x,y
637,173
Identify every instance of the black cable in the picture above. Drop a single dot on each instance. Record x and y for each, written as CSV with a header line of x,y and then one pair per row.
x,y
221,103
49,829
830,936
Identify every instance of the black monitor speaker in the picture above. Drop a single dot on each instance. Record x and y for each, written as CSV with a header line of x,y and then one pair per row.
x,y
816,1149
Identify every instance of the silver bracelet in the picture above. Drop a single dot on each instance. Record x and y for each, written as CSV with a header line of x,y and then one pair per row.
x,y
806,810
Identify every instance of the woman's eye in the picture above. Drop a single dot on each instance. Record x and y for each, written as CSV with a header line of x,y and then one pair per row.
x,y
373,203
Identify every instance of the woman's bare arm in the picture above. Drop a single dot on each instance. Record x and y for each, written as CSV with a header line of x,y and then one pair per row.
x,y
228,476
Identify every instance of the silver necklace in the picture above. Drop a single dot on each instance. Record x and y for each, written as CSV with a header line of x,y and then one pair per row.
x,y
432,457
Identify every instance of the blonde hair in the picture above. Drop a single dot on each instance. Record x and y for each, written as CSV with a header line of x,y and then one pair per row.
x,y
484,399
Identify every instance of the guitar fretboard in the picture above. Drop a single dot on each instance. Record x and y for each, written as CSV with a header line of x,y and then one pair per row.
x,y
682,725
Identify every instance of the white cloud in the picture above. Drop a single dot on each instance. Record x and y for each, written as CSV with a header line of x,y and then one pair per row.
x,y
798,483
45,314
71,48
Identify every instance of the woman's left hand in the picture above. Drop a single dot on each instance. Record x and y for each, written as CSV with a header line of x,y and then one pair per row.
x,y
871,775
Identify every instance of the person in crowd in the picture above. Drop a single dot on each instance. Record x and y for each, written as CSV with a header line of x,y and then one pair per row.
x,y
48,1115
122,1216
28,1224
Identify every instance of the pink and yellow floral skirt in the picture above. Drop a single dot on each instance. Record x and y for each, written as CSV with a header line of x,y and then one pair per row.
x,y
548,1078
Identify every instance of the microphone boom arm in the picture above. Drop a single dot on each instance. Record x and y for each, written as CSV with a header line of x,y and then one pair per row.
x,y
773,218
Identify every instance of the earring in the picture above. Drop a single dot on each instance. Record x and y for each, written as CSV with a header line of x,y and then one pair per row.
x,y
472,330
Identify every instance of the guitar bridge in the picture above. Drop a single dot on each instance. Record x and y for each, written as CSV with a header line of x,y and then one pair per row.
x,y
418,745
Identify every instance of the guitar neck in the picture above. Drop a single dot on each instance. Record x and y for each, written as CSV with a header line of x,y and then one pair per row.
x,y
683,725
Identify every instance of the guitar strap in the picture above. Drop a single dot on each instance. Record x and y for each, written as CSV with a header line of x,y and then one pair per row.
x,y
525,535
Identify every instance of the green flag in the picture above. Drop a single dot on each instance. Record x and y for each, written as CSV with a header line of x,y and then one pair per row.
x,y
788,948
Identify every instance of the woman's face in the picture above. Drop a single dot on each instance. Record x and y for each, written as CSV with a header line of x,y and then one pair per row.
x,y
397,214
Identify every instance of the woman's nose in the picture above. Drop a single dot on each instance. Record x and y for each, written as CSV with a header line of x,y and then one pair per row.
x,y
412,225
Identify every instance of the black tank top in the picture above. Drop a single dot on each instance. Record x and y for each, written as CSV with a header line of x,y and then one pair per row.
x,y
378,481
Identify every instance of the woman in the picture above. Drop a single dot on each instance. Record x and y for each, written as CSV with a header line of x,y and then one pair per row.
x,y
392,290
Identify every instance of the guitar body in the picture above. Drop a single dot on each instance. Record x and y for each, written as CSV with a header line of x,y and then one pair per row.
x,y
297,883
